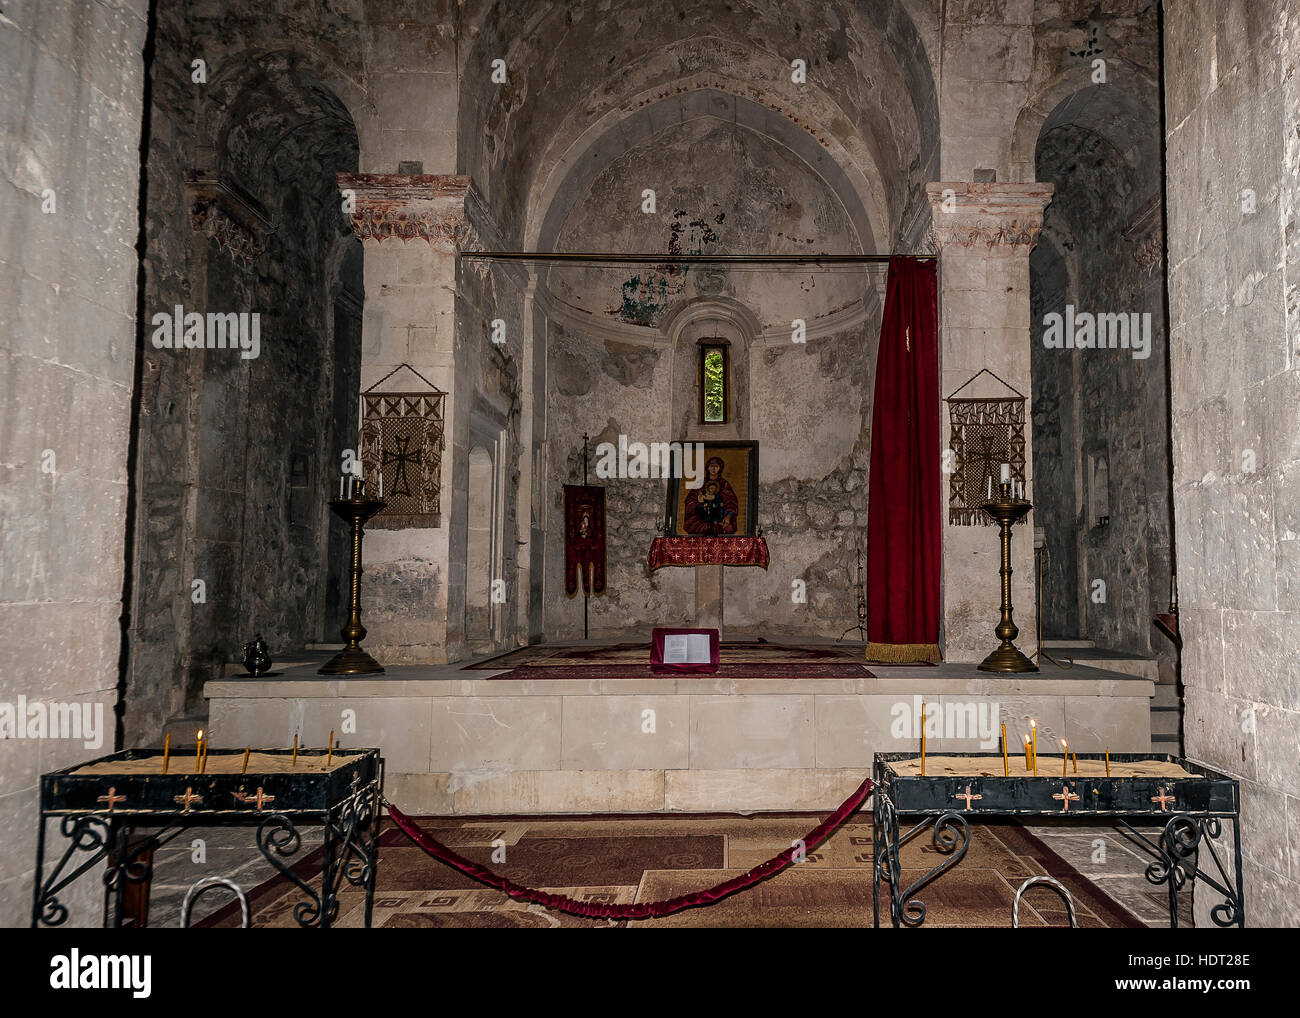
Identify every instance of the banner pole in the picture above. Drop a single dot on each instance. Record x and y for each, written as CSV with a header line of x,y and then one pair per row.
x,y
586,594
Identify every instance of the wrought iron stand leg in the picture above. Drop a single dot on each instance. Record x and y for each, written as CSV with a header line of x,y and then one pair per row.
x,y
1173,894
40,867
895,871
875,866
1236,859
374,856
327,874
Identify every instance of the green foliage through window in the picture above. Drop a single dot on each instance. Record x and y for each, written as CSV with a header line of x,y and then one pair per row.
x,y
715,386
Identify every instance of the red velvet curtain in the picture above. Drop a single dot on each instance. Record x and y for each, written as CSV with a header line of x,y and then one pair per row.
x,y
903,538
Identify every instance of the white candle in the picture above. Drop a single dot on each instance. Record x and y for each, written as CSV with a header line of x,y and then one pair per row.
x,y
1006,472
340,485
381,484
990,486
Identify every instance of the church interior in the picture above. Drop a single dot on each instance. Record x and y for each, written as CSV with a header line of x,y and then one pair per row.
x,y
617,463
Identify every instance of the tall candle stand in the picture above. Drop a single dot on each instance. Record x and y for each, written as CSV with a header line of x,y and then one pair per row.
x,y
1006,509
352,660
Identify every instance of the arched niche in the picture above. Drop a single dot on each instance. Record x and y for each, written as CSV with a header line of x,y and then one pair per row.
x,y
711,322
479,551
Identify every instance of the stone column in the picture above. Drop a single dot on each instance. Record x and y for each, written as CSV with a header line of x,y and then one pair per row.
x,y
411,226
708,597
984,233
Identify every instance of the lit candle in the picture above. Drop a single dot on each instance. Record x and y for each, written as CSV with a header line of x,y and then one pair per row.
x,y
1065,757
247,750
922,738
1006,473
1026,752
1006,769
1033,744
329,757
294,762
198,752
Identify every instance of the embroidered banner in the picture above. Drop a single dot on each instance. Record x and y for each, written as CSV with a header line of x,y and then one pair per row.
x,y
584,538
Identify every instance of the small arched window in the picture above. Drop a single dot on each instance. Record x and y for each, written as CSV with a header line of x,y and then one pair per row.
x,y
714,382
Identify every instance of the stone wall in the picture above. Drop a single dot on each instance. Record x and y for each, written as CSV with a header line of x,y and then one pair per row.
x,y
622,362
1101,255
812,495
237,456
1233,179
73,78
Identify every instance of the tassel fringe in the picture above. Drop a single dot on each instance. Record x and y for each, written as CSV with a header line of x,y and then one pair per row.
x,y
901,653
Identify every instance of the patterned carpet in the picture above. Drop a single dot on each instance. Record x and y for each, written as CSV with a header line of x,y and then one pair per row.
x,y
646,859
631,661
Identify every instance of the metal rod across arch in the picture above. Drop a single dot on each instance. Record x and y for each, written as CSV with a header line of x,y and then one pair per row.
x,y
680,259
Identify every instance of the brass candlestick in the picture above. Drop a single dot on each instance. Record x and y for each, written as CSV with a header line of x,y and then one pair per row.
x,y
1006,510
352,660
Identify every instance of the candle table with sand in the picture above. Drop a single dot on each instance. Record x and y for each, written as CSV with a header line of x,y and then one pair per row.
x,y
120,808
1188,798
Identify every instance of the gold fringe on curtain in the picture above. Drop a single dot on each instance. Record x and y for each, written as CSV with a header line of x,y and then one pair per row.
x,y
901,653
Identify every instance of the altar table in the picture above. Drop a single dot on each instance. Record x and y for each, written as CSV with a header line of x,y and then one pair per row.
x,y
708,551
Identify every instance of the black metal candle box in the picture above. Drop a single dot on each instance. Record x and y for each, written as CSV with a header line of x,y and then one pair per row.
x,y
101,812
1190,807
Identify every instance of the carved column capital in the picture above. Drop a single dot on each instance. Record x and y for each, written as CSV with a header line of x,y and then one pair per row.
x,y
1000,219
224,211
422,206
1147,233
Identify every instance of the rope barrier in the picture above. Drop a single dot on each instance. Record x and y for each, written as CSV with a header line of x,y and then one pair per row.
x,y
639,910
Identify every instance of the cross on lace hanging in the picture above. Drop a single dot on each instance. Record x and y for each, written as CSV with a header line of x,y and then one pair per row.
x,y
985,433
402,440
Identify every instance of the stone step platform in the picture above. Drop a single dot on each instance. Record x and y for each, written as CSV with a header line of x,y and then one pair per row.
x,y
455,742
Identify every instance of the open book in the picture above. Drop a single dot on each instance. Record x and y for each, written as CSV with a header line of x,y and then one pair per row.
x,y
687,649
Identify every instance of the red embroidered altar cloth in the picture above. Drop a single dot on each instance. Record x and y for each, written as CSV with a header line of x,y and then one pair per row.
x,y
708,551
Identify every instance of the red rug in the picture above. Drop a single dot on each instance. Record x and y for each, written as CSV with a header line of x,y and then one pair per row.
x,y
645,858
740,660
746,670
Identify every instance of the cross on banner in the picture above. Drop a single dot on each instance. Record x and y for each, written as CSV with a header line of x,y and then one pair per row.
x,y
401,483
402,441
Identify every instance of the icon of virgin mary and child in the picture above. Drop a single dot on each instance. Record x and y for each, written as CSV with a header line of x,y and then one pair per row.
x,y
711,509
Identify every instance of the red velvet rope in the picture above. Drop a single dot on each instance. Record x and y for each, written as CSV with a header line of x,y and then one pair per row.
x,y
640,910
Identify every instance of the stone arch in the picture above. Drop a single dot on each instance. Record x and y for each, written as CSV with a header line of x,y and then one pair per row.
x,y
734,324
1072,96
575,170
260,98
869,73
